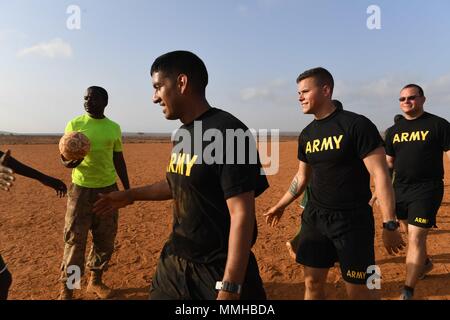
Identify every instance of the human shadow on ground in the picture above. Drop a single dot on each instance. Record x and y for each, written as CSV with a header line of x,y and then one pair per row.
x,y
431,286
131,294
296,291
434,285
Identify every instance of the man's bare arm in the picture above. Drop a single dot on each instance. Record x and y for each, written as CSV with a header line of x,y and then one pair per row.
x,y
121,169
242,213
298,185
159,191
390,162
22,169
376,164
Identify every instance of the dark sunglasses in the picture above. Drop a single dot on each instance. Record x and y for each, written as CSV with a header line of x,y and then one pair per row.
x,y
410,98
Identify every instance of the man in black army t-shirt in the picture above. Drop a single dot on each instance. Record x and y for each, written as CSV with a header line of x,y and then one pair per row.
x,y
414,148
339,151
214,198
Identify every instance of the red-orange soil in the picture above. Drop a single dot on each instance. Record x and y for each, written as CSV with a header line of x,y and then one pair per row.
x,y
32,222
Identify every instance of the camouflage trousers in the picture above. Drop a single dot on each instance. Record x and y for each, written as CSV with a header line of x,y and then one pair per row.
x,y
79,221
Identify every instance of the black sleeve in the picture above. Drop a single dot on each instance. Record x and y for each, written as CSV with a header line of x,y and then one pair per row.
x,y
301,155
389,147
242,176
365,136
445,135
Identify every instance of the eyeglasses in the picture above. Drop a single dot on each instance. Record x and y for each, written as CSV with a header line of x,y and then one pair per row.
x,y
410,98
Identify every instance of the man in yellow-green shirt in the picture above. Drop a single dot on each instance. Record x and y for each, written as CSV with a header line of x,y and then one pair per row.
x,y
92,175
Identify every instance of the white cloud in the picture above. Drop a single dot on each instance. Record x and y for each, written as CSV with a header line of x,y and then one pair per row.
x,y
266,91
378,98
254,93
52,49
437,91
387,89
383,88
373,95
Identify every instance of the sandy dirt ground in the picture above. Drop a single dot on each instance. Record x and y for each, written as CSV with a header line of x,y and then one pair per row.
x,y
32,222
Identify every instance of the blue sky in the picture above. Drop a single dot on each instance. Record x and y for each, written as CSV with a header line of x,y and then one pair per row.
x,y
254,50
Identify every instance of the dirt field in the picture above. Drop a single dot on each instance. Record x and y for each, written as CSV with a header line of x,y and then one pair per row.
x,y
32,221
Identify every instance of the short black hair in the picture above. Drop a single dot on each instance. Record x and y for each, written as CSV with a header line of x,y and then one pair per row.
x,y
100,90
321,75
338,104
182,62
397,118
413,85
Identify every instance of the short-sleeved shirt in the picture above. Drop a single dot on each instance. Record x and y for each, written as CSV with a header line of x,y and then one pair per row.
x,y
417,146
97,169
201,180
335,148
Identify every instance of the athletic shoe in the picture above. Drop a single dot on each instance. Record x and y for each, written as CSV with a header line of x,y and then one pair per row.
x,y
406,295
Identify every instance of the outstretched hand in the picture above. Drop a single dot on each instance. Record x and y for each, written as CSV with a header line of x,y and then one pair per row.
x,y
374,200
112,201
393,241
6,174
59,186
273,216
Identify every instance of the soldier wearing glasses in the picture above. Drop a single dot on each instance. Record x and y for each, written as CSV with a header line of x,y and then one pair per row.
x,y
414,149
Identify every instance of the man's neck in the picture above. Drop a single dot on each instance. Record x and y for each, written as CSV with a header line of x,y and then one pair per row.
x,y
414,117
96,116
195,110
324,111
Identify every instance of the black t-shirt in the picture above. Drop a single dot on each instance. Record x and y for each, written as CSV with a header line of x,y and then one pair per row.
x,y
201,185
335,148
417,146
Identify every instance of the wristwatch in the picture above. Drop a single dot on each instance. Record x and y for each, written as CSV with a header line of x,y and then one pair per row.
x,y
228,287
391,225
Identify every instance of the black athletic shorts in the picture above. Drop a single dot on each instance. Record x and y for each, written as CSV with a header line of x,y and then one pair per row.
x,y
419,203
347,237
2,264
179,279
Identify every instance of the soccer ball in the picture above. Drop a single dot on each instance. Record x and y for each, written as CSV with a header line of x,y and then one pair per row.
x,y
74,145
